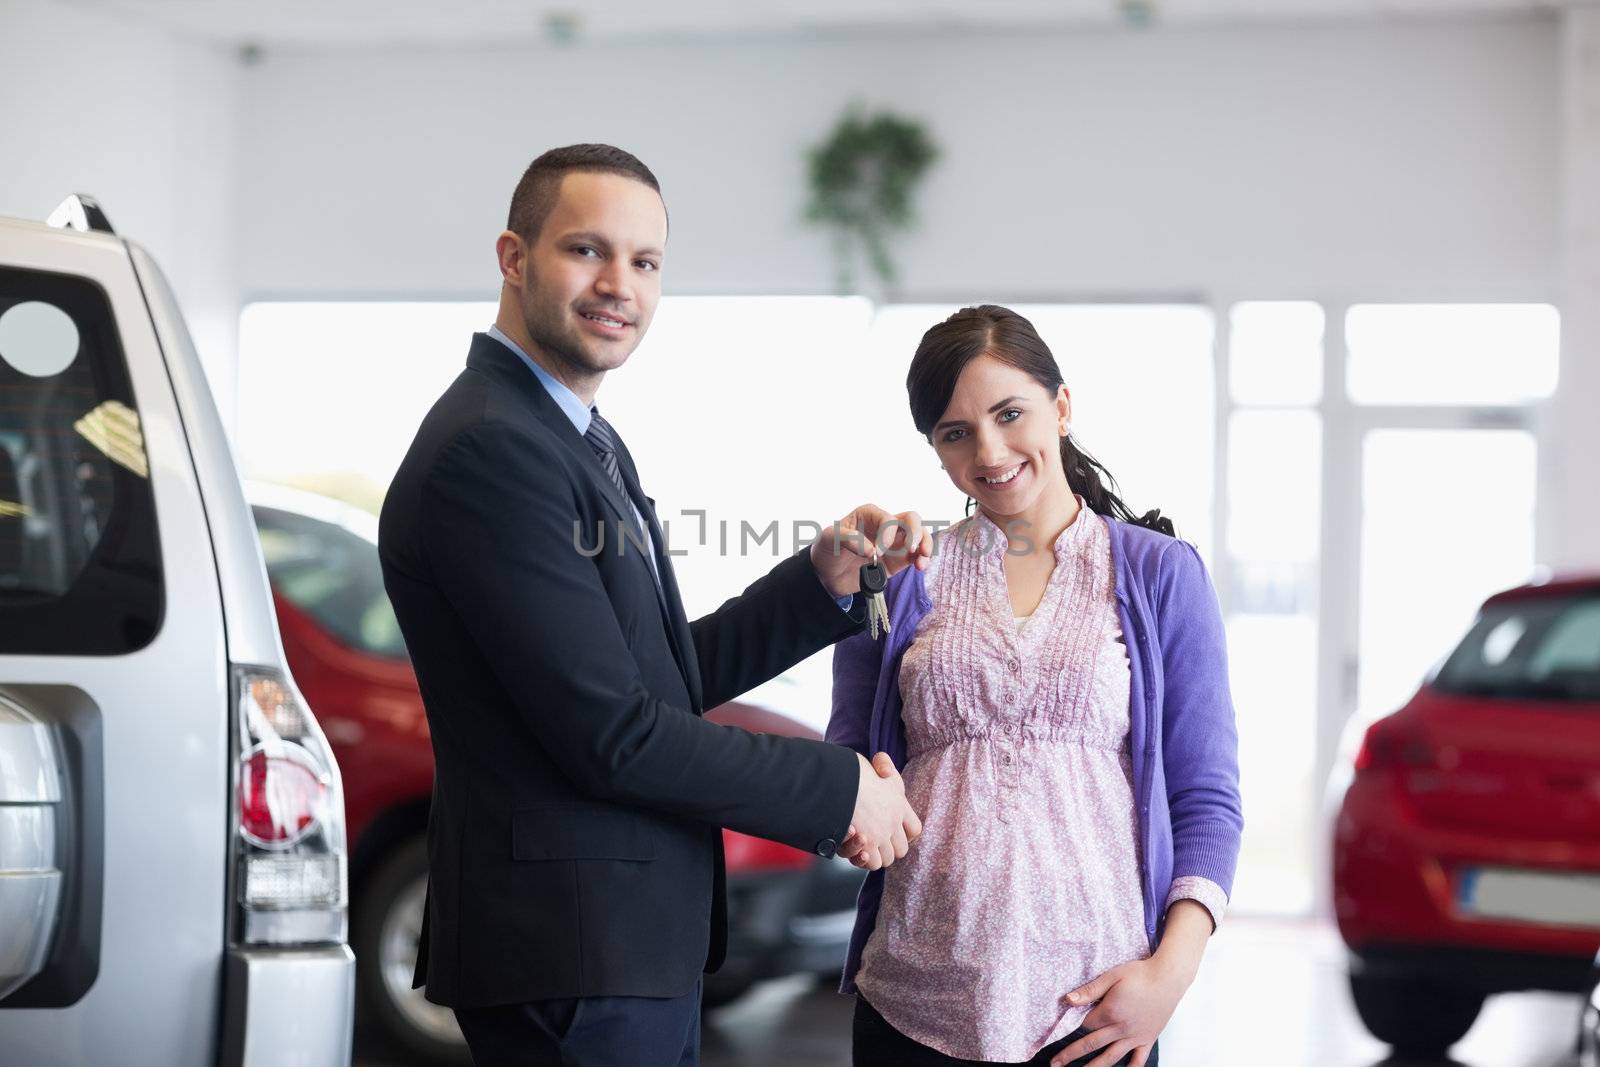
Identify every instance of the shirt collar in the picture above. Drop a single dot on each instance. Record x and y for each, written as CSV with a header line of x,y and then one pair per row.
x,y
990,540
576,411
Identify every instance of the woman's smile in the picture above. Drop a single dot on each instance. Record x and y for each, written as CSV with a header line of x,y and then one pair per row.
x,y
1003,484
1004,477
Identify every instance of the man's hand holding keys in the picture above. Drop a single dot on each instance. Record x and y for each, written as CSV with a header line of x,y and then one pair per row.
x,y
883,827
863,536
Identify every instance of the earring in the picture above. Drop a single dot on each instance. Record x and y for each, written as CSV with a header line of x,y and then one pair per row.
x,y
1066,428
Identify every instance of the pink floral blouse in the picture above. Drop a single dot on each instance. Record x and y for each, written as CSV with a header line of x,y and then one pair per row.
x,y
1025,882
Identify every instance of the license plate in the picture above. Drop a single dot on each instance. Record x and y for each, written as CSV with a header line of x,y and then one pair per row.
x,y
1546,897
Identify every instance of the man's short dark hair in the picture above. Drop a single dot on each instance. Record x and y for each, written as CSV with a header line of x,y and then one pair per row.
x,y
535,196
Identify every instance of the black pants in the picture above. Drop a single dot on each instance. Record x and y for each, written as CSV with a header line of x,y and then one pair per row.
x,y
586,1032
877,1044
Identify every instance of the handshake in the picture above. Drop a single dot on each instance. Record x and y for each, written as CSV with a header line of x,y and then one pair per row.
x,y
883,826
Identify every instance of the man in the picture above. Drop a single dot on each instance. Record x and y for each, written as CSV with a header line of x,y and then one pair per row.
x,y
576,882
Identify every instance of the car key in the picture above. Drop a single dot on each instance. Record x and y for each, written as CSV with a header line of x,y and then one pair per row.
x,y
874,579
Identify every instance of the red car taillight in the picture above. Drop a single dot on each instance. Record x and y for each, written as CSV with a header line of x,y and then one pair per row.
x,y
1388,745
289,844
281,796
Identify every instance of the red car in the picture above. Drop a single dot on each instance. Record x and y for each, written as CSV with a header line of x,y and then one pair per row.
x,y
789,911
1466,855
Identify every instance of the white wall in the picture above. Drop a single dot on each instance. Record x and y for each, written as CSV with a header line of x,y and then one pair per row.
x,y
147,124
1308,158
1569,527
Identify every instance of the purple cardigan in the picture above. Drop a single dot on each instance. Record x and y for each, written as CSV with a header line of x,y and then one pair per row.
x,y
1184,744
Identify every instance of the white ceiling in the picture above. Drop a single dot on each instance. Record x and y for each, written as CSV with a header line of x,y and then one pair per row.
x,y
367,22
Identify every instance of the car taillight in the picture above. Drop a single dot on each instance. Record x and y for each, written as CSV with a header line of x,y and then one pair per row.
x,y
289,841
1389,746
281,796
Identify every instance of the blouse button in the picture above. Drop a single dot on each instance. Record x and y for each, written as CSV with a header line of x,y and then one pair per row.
x,y
1011,665
1011,698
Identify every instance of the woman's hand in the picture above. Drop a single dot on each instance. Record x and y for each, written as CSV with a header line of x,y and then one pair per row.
x,y
1137,999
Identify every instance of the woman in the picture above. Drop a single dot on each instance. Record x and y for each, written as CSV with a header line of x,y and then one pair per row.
x,y
1055,689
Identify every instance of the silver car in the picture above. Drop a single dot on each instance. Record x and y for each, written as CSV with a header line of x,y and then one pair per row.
x,y
172,843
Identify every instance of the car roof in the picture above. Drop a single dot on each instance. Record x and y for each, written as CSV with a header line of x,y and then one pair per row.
x,y
11,222
313,506
1559,585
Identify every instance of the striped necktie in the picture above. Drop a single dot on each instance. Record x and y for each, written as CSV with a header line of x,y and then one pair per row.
x,y
604,442
603,439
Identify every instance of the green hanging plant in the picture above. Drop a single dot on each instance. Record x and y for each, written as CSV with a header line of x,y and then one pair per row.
x,y
862,181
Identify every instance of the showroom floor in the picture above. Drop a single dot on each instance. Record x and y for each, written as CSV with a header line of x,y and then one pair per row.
x,y
1271,993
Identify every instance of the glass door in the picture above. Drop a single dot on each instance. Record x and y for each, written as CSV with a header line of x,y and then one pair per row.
x,y
1378,472
1446,519
1437,404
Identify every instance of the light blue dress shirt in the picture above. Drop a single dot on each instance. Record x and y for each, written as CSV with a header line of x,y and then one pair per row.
x,y
575,409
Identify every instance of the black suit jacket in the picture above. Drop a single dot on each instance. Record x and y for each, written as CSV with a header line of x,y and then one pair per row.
x,y
573,840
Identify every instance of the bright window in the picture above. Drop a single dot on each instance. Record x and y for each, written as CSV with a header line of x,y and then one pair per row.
x,y
332,393
1275,352
1275,481
751,418
1274,538
1446,519
1273,669
1452,353
1274,543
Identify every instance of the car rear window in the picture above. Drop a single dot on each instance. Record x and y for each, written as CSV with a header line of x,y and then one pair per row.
x,y
334,576
1545,648
80,563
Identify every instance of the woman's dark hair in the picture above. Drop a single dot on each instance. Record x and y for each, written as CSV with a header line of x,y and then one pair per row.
x,y
988,329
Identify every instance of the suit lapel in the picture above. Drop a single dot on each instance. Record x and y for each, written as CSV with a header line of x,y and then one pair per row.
x,y
673,615
494,360
505,367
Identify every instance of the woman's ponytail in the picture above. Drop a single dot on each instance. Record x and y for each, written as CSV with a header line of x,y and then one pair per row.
x,y
1088,478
